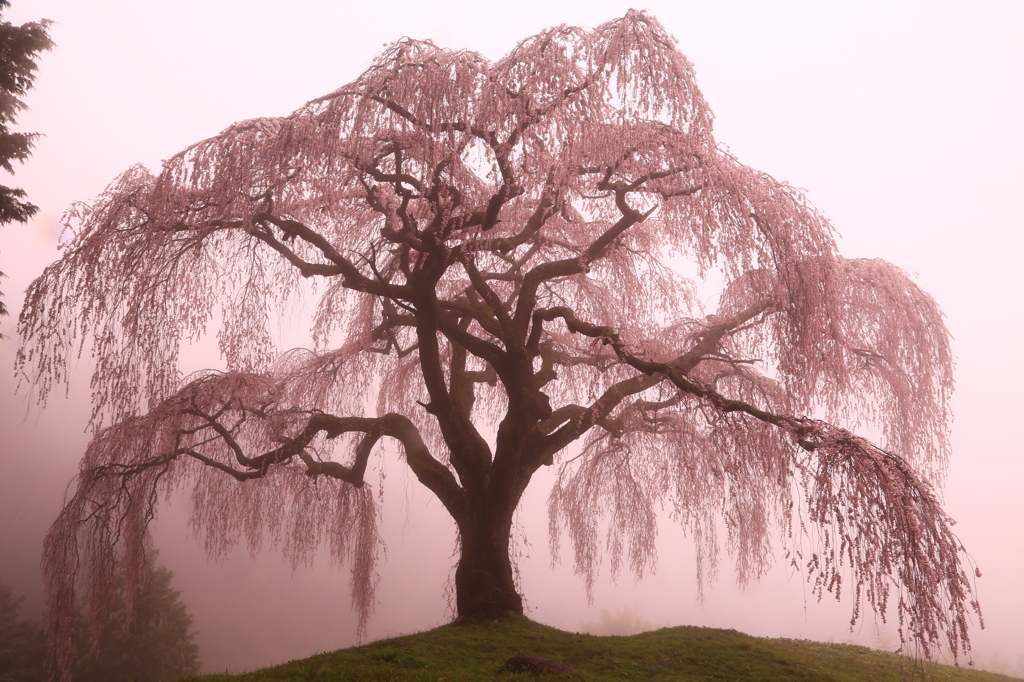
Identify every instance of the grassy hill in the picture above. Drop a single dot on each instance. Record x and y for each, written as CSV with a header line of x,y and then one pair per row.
x,y
478,652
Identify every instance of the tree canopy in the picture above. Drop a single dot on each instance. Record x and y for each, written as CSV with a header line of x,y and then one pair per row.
x,y
512,263
19,49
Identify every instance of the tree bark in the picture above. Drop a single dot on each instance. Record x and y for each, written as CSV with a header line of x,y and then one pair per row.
x,y
484,582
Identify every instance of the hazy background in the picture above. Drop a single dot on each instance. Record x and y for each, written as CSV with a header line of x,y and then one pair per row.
x,y
902,120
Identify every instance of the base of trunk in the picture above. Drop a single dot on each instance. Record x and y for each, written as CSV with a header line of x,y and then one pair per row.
x,y
485,588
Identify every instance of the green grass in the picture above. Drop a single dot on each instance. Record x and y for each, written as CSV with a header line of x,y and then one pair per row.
x,y
477,652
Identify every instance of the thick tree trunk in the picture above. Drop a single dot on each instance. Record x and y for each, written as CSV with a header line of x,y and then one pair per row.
x,y
484,584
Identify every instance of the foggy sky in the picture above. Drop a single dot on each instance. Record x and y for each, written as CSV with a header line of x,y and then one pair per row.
x,y
902,121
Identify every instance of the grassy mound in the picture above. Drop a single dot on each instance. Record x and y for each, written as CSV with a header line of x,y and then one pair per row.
x,y
479,652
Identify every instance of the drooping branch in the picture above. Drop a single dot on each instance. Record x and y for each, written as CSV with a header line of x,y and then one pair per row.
x,y
652,372
234,427
883,521
431,473
354,278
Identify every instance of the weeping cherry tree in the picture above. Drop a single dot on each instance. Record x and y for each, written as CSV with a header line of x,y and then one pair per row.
x,y
509,261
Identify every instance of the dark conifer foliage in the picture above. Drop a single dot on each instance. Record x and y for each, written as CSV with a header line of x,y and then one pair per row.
x,y
19,49
147,641
22,642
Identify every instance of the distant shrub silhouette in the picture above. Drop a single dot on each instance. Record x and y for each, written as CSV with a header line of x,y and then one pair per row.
x,y
151,641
